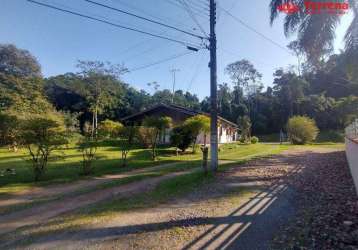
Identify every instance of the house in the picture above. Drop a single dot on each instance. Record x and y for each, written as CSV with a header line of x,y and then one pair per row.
x,y
227,131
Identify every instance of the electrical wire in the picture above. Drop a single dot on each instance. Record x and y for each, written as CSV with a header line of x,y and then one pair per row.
x,y
161,18
196,72
178,5
160,61
112,24
192,15
144,18
255,31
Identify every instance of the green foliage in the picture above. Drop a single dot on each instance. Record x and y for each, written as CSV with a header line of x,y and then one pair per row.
x,y
88,145
18,62
196,125
181,138
314,39
302,130
330,136
145,136
40,136
242,73
254,140
8,130
244,124
156,126
110,129
127,135
23,97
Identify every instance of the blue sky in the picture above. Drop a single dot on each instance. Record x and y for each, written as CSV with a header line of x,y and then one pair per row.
x,y
58,40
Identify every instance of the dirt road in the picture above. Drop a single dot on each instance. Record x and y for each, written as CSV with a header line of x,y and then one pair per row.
x,y
242,209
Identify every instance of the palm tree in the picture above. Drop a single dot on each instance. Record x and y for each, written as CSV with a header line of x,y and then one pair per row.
x,y
316,32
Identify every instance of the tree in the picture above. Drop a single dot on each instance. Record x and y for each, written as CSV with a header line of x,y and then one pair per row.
x,y
196,125
243,73
316,33
22,97
18,62
302,130
181,138
88,145
127,136
110,129
8,130
40,136
157,126
97,75
244,124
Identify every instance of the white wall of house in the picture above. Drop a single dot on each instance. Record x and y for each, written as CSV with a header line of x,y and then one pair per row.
x,y
352,156
225,135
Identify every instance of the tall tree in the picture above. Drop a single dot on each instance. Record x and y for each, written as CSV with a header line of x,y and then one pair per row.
x,y
243,73
18,62
316,32
97,74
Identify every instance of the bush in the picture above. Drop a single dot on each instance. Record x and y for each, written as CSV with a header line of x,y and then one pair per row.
x,y
301,130
110,129
41,136
181,138
242,139
254,140
144,136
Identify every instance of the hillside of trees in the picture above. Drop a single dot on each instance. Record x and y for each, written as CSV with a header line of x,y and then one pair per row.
x,y
328,93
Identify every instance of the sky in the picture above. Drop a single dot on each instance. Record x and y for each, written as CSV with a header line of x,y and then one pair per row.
x,y
58,39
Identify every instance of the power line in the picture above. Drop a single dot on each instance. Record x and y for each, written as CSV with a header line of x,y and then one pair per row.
x,y
146,19
254,30
112,24
161,61
192,15
199,5
178,5
196,72
162,18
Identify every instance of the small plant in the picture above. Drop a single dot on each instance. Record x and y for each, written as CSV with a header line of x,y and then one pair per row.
x,y
127,135
181,138
302,130
244,124
110,129
8,131
196,125
88,145
156,125
41,136
254,140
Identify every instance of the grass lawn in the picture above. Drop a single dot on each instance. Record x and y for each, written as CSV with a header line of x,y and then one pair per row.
x,y
166,190
64,165
326,136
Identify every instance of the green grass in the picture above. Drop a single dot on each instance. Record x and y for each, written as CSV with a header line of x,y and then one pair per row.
x,y
324,136
166,190
65,164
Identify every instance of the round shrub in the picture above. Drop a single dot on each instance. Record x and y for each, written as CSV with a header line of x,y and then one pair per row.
x,y
181,138
301,130
254,140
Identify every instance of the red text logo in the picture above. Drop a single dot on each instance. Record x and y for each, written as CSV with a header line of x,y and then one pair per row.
x,y
315,7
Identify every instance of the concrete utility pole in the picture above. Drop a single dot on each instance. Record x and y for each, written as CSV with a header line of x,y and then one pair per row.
x,y
213,90
173,71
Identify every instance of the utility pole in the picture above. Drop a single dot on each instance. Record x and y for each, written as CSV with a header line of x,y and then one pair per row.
x,y
213,90
173,71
